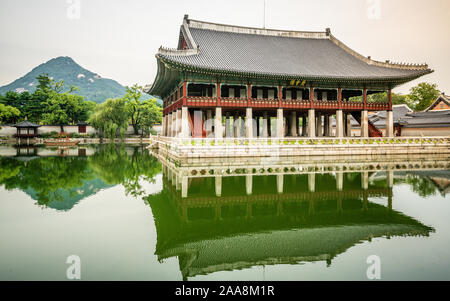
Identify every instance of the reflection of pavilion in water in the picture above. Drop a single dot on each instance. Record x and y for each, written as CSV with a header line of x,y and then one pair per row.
x,y
229,222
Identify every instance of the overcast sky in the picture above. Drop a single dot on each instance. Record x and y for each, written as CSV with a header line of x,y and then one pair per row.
x,y
118,39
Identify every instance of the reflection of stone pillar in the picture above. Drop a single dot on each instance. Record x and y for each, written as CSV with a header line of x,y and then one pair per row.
x,y
340,181
365,124
280,182
312,182
249,184
218,128
339,124
365,201
184,187
389,124
365,180
339,203
265,129
177,182
218,210
218,180
280,123
293,124
390,178
249,123
311,124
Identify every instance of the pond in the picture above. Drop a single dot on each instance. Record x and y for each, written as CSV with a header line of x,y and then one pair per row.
x,y
130,215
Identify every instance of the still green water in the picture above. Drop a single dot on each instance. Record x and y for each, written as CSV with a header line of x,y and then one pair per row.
x,y
124,214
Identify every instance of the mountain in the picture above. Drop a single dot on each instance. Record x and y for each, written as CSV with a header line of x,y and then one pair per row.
x,y
91,85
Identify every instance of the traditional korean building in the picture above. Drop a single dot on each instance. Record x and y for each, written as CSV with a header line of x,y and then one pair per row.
x,y
233,81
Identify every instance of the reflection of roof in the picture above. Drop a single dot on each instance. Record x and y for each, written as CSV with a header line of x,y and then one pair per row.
x,y
26,124
270,235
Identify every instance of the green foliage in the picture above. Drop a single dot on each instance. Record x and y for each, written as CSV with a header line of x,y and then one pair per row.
x,y
8,114
110,118
423,95
143,113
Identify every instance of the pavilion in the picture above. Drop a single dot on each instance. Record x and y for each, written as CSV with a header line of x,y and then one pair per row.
x,y
233,81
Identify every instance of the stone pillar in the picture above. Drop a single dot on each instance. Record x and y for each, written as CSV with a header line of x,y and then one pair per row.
x,y
184,187
249,123
242,126
174,124
348,125
365,180
228,131
169,125
326,128
319,125
339,124
311,124
280,182
249,184
294,124
218,182
164,126
184,123
218,128
365,124
179,120
265,125
312,182
304,126
209,123
330,125
258,132
280,128
236,123
389,124
340,180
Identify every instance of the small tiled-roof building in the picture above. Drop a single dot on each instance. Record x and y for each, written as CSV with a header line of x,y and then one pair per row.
x,y
26,129
440,104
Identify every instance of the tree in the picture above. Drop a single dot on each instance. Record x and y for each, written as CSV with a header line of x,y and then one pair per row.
x,y
110,118
143,114
422,96
65,109
8,114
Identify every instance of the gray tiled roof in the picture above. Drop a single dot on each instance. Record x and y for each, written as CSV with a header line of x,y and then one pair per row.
x,y
427,119
280,55
26,124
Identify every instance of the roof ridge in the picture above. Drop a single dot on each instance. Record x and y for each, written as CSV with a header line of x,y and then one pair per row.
x,y
256,31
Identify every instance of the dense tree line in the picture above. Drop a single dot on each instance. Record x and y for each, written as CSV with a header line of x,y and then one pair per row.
x,y
50,105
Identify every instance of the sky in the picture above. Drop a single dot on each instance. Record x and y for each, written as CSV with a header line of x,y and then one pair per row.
x,y
118,39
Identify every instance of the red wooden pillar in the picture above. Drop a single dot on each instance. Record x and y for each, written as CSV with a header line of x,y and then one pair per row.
x,y
311,97
340,98
249,95
219,94
184,93
365,98
280,96
390,99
